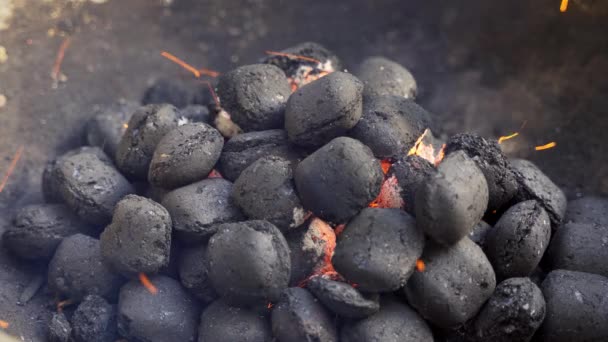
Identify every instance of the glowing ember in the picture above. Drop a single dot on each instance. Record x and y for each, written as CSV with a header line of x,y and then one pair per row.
x,y
56,71
4,324
63,304
339,229
11,168
270,305
386,165
326,233
420,266
507,137
390,195
563,7
214,174
424,148
145,281
546,146
125,125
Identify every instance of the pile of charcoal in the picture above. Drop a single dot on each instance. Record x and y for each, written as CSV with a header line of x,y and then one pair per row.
x,y
298,202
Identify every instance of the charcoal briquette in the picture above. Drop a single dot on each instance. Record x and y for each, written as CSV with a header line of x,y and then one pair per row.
x,y
452,201
223,323
311,247
248,262
197,209
185,155
339,179
193,273
378,249
299,316
265,190
479,234
255,96
196,113
94,321
139,237
324,109
456,282
382,76
410,172
294,66
589,209
59,328
148,125
169,315
77,270
343,299
108,125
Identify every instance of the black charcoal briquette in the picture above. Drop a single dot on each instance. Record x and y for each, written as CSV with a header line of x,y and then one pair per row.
x,y
59,328
94,321
381,76
223,323
108,125
343,299
193,273
410,171
479,233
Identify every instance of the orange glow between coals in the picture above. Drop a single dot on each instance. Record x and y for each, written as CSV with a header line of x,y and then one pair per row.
x,y
563,7
145,281
427,151
420,266
4,324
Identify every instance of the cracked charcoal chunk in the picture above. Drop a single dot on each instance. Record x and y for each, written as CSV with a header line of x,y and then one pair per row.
x,y
349,169
395,322
298,316
479,234
390,125
576,307
194,275
108,125
381,77
248,262
308,245
291,66
170,315
266,191
410,172
185,155
59,328
324,109
456,282
139,237
534,184
518,240
343,299
223,323
148,125
452,201
94,321
378,249
513,313
38,229
588,209
197,209
77,270
196,113
255,96
487,155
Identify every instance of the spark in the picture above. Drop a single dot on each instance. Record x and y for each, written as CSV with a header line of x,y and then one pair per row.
x,y
563,7
145,281
386,165
420,266
4,324
290,55
11,168
507,137
215,98
209,72
181,63
546,146
270,305
59,59
125,125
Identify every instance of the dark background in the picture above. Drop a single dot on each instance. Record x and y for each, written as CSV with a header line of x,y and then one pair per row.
x,y
482,66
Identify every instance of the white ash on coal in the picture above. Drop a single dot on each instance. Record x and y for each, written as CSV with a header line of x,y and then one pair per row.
x,y
343,299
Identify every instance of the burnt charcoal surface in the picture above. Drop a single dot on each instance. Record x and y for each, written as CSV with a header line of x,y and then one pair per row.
x,y
479,234
339,179
395,322
193,273
94,321
299,316
313,50
148,125
410,172
382,76
534,184
77,270
38,229
452,201
343,299
576,307
378,249
106,128
390,125
324,109
197,209
255,96
223,323
519,239
308,245
589,209
265,190
196,113
580,247
170,315
185,155
513,313
456,282
139,237
249,262
502,184
59,328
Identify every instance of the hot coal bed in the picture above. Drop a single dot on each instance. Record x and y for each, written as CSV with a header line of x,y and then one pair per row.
x,y
304,203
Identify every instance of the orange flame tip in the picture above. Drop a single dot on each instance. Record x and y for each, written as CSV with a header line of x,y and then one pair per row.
x,y
4,324
563,7
290,55
386,165
11,168
546,146
507,137
145,281
420,266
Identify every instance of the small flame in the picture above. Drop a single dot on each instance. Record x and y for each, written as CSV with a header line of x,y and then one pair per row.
x,y
145,281
327,234
563,7
390,195
11,168
386,165
546,146
270,305
426,150
420,266
4,324
507,137
214,174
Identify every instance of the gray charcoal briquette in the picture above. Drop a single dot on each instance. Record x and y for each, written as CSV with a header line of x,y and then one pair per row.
x,y
59,328
382,76
193,273
589,209
223,323
343,299
94,321
410,171
479,233
310,248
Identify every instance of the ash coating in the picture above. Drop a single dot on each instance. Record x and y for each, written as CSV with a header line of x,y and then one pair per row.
x,y
487,155
197,209
324,109
390,125
292,66
456,282
395,322
148,125
255,96
106,127
193,273
513,313
298,316
59,328
308,249
77,270
248,262
410,172
185,155
94,321
170,315
349,169
590,209
223,323
139,237
382,76
378,249
453,200
343,299
265,190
